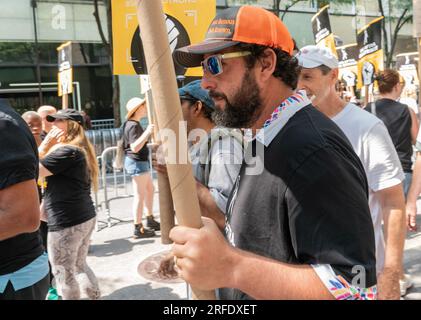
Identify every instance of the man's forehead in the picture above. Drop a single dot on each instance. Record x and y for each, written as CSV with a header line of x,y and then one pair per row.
x,y
231,49
311,70
45,113
33,118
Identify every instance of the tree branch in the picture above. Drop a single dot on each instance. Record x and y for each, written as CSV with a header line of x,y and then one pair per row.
x,y
401,22
386,42
101,32
287,7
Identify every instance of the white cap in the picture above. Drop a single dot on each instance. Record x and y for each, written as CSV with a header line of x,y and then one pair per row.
x,y
313,56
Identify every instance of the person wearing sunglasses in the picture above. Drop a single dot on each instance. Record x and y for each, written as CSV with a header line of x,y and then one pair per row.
x,y
290,228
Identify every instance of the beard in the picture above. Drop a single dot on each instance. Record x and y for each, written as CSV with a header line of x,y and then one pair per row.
x,y
243,109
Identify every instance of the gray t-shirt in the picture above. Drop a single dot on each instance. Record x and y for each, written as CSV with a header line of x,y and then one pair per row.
x,y
217,161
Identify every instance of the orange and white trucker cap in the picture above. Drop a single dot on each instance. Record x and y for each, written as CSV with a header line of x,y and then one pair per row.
x,y
246,24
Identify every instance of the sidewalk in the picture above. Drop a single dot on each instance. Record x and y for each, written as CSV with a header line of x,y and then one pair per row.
x,y
412,260
115,257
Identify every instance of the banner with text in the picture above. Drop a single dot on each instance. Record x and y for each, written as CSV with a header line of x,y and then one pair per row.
x,y
407,65
322,31
348,64
370,52
187,22
65,69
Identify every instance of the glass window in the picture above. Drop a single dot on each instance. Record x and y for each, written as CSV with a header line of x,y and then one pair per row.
x,y
268,4
303,5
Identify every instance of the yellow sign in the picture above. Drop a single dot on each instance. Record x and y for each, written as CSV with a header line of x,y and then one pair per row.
x,y
187,23
65,82
348,64
65,70
322,30
370,52
328,42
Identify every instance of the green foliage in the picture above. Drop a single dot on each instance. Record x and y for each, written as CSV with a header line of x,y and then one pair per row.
x,y
12,51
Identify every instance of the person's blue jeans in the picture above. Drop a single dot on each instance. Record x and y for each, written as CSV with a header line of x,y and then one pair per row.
x,y
407,182
136,168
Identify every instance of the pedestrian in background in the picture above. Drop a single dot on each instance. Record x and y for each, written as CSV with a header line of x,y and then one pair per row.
x,y
44,111
137,165
68,161
373,145
34,122
402,125
24,272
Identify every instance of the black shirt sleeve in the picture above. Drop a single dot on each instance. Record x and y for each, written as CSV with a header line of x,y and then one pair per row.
x,y
61,159
18,154
329,218
133,133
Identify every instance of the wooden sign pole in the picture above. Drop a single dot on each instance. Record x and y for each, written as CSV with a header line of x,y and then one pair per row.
x,y
65,101
161,70
166,208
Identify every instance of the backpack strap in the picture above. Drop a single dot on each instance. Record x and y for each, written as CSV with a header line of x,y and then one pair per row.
x,y
221,132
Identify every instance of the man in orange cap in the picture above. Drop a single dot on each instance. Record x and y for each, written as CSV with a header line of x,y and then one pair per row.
x,y
290,227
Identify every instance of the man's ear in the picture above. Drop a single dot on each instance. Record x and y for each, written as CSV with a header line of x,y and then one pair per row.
x,y
267,64
197,108
334,74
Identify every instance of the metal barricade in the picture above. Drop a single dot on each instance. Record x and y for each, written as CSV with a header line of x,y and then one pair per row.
x,y
103,205
102,124
102,139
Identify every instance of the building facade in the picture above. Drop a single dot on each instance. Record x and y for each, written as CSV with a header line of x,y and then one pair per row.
x,y
28,27
31,26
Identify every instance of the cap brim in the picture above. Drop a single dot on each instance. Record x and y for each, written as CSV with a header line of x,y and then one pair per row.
x,y
308,64
191,56
52,118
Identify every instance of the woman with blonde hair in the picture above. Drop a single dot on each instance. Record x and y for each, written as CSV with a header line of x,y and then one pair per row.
x,y
68,161
137,166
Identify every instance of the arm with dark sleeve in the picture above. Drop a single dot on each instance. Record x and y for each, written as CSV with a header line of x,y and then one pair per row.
x,y
18,174
207,261
330,223
221,265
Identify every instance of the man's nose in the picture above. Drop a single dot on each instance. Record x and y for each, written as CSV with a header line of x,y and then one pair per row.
x,y
301,85
208,82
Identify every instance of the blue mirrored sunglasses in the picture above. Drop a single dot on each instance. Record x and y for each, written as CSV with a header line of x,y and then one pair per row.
x,y
213,64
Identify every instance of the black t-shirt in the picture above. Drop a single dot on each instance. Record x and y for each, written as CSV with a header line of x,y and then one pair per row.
x,y
67,198
397,119
132,131
18,163
309,206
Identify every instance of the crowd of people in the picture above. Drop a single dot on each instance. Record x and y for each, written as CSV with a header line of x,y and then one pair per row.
x,y
325,218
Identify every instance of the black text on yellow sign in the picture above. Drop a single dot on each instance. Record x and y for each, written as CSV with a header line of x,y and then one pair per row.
x,y
322,30
65,70
348,64
407,65
186,21
370,52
